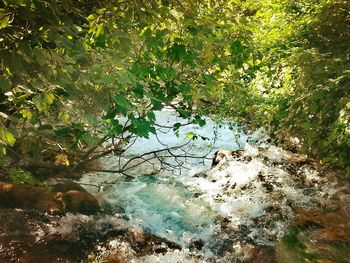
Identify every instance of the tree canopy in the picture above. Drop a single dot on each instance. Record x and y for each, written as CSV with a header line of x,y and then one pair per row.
x,y
70,69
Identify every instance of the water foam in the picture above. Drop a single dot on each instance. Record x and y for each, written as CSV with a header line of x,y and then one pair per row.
x,y
209,205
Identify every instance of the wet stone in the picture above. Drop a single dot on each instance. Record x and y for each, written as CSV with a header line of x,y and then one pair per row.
x,y
344,200
196,244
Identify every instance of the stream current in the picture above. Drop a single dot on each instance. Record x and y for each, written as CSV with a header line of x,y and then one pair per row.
x,y
213,214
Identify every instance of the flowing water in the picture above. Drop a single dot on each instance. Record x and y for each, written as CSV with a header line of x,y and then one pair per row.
x,y
254,203
167,203
215,215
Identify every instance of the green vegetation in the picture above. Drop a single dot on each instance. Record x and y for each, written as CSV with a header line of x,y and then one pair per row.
x,y
69,68
291,239
18,176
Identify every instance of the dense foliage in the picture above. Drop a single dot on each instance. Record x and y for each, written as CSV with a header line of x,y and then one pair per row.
x,y
310,96
295,79
69,68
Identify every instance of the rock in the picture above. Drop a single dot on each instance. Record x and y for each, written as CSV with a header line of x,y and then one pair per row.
x,y
25,237
23,196
196,244
79,202
64,185
32,236
135,244
254,254
220,155
336,234
144,243
316,233
120,256
344,200
74,197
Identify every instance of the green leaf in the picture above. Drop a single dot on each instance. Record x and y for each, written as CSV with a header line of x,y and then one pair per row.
x,y
122,104
236,47
117,128
4,21
6,137
141,127
140,71
39,56
165,73
5,84
64,116
63,132
201,122
110,114
151,116
157,104
26,114
177,52
138,90
209,81
41,104
190,135
183,113
177,126
3,150
49,97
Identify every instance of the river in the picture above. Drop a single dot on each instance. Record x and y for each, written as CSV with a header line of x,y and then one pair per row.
x,y
215,215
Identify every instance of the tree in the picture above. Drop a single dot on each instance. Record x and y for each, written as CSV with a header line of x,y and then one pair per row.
x,y
295,82
70,70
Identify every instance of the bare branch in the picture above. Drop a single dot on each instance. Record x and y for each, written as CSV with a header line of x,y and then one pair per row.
x,y
160,158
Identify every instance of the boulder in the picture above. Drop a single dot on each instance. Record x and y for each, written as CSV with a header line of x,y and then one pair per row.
x,y
64,185
79,202
32,236
23,196
221,155
144,243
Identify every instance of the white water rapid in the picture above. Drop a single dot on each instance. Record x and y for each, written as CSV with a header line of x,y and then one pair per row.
x,y
213,214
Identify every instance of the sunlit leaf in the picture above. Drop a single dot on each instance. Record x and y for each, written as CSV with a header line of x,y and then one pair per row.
x,y
26,114
4,21
61,159
49,97
3,150
190,135
6,137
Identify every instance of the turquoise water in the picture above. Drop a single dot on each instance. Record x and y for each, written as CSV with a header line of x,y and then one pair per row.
x,y
166,207
238,201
